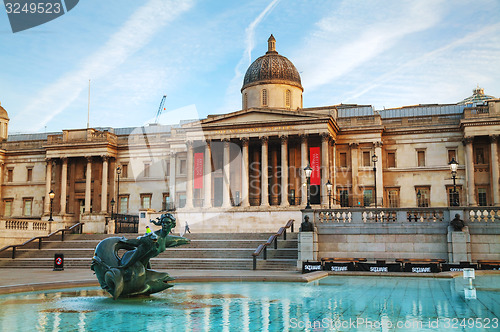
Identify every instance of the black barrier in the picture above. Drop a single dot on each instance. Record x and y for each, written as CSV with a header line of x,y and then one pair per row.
x,y
339,267
379,267
58,262
422,268
311,267
490,266
458,267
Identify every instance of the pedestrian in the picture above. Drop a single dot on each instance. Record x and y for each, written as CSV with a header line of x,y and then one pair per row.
x,y
186,228
148,230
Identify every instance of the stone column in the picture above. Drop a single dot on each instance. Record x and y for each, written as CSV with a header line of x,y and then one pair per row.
x,y
88,183
104,185
304,163
171,179
469,169
334,174
48,184
189,180
494,170
284,171
325,176
380,178
2,169
207,185
354,174
264,192
64,184
226,199
244,173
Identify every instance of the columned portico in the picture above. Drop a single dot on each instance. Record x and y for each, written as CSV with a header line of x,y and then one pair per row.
x,y
284,171
469,159
264,192
64,185
494,169
207,180
104,185
189,179
244,173
88,184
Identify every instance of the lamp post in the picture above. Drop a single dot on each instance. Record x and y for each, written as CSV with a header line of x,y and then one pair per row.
x,y
375,159
308,171
112,206
453,167
329,186
419,195
118,172
52,194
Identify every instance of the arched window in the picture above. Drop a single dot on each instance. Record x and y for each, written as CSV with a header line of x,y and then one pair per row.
x,y
264,97
245,101
288,97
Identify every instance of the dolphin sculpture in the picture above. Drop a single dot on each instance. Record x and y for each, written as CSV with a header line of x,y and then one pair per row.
x,y
131,274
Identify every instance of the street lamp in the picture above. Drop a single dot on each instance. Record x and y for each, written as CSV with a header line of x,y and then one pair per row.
x,y
453,167
308,170
118,171
329,186
52,194
112,206
419,195
375,159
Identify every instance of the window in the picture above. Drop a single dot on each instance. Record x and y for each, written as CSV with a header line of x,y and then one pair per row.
x,y
366,158
391,159
124,170
146,170
367,197
29,174
343,159
182,167
245,101
421,158
7,207
344,197
123,206
27,206
10,174
166,202
288,97
182,200
482,197
453,198
146,201
452,154
480,156
264,97
393,197
423,196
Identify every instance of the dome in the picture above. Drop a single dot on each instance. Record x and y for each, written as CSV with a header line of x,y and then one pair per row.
x,y
272,68
478,96
3,113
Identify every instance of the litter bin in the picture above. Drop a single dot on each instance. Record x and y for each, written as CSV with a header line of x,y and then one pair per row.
x,y
58,262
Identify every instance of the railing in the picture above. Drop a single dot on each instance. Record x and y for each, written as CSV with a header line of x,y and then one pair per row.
x,y
482,214
272,239
25,225
75,228
126,223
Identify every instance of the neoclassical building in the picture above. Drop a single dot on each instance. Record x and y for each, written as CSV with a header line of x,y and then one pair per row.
x,y
244,170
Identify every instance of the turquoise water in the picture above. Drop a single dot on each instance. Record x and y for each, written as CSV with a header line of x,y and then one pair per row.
x,y
335,303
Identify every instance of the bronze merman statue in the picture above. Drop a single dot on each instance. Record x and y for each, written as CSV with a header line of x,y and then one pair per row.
x,y
131,274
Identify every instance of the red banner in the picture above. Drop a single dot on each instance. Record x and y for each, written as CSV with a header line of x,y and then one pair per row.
x,y
315,162
198,170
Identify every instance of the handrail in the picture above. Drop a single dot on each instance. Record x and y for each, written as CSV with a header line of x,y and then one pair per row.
x,y
40,238
272,239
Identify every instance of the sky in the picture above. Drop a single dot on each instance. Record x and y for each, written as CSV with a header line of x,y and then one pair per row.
x,y
380,53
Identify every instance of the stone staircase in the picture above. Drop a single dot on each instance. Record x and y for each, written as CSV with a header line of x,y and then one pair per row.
x,y
223,251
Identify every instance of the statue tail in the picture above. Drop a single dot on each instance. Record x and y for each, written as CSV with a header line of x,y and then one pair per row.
x,y
114,282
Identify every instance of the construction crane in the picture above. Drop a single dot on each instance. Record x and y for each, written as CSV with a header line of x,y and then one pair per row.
x,y
161,108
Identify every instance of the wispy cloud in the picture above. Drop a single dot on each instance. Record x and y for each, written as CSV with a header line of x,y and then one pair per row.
x,y
232,92
135,33
340,44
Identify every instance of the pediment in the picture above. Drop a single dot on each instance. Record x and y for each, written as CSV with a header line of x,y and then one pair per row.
x,y
258,116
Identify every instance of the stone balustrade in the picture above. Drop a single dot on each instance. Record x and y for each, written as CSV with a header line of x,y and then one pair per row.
x,y
383,215
482,214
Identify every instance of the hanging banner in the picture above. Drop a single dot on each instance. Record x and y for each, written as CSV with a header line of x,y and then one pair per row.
x,y
315,162
198,170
